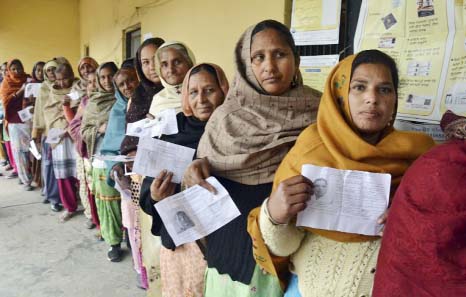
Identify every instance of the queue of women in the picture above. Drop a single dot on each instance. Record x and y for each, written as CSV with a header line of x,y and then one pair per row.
x,y
253,135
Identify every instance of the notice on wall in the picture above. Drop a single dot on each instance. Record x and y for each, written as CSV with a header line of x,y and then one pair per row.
x,y
315,21
315,69
427,40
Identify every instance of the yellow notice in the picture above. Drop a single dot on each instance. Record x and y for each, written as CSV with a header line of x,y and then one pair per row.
x,y
315,69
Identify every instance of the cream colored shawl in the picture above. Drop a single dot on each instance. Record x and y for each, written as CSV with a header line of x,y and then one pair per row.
x,y
247,137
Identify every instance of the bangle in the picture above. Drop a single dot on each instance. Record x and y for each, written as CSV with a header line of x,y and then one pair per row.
x,y
266,211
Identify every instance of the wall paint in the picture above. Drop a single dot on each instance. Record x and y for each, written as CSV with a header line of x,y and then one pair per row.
x,y
32,30
209,27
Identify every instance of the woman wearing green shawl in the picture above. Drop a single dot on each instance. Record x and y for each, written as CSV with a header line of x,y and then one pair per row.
x,y
93,129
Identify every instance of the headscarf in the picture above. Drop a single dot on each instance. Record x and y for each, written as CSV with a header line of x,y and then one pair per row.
x,y
333,142
12,82
97,112
454,126
38,121
81,85
423,246
33,74
221,80
248,136
170,96
142,99
116,126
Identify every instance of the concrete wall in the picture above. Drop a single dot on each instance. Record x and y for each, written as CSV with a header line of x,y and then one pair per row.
x,y
33,30
209,27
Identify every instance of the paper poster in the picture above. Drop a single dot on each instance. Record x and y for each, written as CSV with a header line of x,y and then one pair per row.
x,y
427,40
315,69
433,130
315,21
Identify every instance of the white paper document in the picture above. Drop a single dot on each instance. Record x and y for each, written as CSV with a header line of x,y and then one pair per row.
x,y
32,89
122,186
115,158
25,114
74,95
154,155
195,212
345,200
54,135
165,123
33,149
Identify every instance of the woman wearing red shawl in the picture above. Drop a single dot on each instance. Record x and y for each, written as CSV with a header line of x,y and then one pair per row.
x,y
12,93
423,251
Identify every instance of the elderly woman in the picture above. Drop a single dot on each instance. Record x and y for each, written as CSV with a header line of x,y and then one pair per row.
x,y
182,268
242,146
423,249
12,93
354,131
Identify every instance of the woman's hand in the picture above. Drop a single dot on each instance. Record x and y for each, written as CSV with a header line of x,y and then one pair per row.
x,y
66,100
196,173
289,198
102,128
382,220
118,169
162,186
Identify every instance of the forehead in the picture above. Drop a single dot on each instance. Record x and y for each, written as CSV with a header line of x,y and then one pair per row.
x,y
170,53
105,71
122,76
373,72
148,51
85,65
202,76
268,38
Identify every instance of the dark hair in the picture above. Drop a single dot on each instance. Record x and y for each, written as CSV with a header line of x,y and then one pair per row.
x,y
17,62
109,65
377,57
205,67
40,63
65,68
128,63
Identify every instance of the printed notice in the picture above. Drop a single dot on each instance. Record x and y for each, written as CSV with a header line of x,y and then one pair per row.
x,y
115,158
154,155
315,69
25,114
122,186
74,95
32,89
345,200
164,124
196,212
33,149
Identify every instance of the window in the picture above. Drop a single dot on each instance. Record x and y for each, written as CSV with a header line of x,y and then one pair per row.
x,y
86,50
132,38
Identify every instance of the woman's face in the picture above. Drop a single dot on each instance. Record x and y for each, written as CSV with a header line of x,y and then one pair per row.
x,y
173,66
372,98
273,62
106,78
39,73
85,70
205,94
16,69
126,82
50,72
147,63
63,80
91,83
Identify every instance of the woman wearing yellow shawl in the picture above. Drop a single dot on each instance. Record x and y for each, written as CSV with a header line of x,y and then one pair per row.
x,y
354,131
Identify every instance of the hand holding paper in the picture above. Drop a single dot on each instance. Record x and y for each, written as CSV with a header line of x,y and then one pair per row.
x,y
195,212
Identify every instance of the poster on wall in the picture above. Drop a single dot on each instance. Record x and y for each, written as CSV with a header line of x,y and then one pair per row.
x,y
315,22
427,40
315,69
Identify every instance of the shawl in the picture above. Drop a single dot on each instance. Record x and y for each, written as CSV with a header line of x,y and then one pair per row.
x,y
247,137
38,121
11,83
170,96
97,113
116,126
221,80
142,99
54,116
75,128
423,250
454,126
332,142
